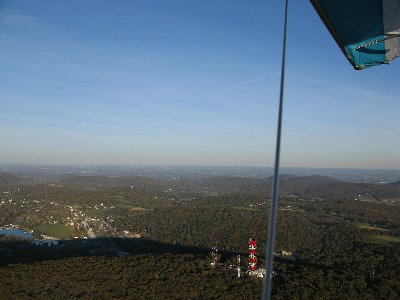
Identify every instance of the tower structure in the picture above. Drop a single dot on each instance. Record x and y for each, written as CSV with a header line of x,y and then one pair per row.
x,y
238,266
214,256
252,260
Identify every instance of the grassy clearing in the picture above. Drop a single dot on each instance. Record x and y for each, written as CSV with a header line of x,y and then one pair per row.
x,y
95,213
370,227
296,209
138,209
58,230
246,208
385,239
131,206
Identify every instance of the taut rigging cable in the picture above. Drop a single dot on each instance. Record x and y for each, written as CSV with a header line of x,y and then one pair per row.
x,y
269,256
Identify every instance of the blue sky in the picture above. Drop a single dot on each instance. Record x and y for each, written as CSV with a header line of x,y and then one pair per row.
x,y
186,82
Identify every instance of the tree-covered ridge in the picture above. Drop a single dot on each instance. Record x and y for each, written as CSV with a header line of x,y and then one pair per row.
x,y
345,238
172,272
178,276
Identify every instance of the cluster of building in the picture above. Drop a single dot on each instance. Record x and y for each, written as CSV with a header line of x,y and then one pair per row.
x,y
47,243
261,204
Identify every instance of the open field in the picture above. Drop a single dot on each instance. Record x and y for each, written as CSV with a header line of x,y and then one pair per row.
x,y
385,239
60,231
370,227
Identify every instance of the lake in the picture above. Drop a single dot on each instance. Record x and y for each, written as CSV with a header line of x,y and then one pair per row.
x,y
17,232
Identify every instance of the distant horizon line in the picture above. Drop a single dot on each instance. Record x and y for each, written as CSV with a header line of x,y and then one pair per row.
x,y
186,165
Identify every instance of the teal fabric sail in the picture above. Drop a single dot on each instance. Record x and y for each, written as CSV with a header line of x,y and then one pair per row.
x,y
367,31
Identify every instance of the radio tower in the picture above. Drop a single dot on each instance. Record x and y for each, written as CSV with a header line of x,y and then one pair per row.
x,y
252,261
214,256
238,266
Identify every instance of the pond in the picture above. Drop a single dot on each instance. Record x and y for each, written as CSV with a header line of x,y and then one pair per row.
x,y
17,233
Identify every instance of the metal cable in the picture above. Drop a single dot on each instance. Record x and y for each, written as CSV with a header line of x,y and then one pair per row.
x,y
269,256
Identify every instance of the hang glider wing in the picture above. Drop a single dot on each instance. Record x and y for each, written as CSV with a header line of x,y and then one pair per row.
x,y
367,31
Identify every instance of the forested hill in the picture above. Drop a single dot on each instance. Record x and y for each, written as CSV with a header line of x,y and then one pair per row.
x,y
342,248
101,181
328,188
307,187
296,186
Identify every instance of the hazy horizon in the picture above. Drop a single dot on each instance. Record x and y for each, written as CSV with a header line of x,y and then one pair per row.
x,y
3,164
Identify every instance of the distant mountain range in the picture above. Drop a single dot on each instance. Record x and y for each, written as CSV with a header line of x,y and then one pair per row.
x,y
308,187
166,173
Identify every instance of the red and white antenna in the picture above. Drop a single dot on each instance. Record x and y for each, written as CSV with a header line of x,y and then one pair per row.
x,y
252,261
